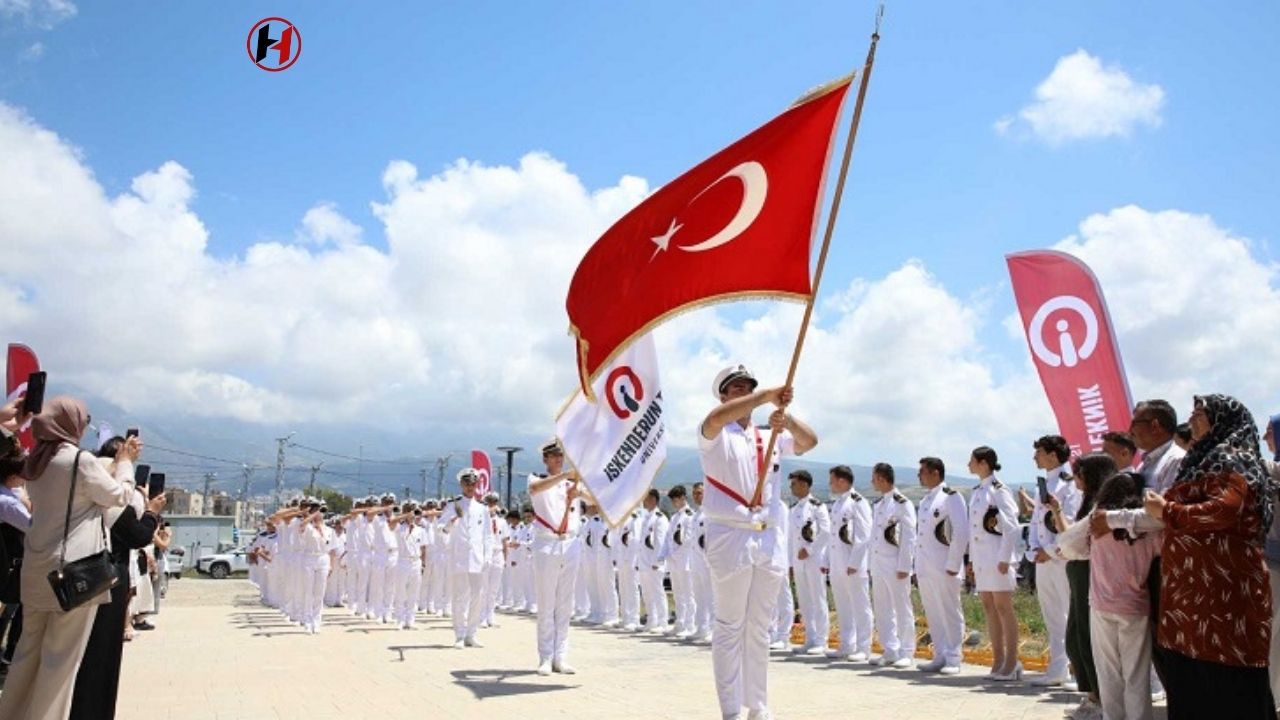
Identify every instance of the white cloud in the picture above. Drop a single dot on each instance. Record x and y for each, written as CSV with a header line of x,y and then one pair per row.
x,y
460,322
1195,310
40,13
33,52
1082,99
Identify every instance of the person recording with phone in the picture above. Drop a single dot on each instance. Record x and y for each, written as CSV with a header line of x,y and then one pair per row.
x,y
97,682
67,526
15,520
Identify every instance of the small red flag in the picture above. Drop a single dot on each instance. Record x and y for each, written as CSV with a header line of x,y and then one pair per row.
x,y
21,363
480,461
738,225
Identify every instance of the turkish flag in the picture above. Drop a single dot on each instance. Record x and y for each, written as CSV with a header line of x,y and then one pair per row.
x,y
21,363
1072,345
738,225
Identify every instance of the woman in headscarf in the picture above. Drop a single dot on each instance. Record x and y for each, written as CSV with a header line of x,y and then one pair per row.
x,y
53,641
1214,629
131,526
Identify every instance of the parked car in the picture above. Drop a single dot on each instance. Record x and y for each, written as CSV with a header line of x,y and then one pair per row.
x,y
221,565
176,557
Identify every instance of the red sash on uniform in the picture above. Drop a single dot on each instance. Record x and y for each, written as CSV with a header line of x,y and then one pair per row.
x,y
564,521
759,471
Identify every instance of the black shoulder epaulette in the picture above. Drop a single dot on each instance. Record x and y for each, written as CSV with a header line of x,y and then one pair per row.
x,y
948,490
687,511
855,496
996,484
815,500
899,497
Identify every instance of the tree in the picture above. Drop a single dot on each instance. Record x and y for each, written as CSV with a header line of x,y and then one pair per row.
x,y
334,500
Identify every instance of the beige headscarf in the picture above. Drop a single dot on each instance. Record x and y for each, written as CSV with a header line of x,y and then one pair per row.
x,y
64,419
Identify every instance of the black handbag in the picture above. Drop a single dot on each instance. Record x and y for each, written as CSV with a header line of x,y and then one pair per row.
x,y
76,583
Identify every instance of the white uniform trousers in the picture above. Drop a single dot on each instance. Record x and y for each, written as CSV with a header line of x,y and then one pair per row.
x,y
582,585
940,595
895,618
379,604
682,594
468,603
314,572
359,587
424,589
507,596
655,598
410,578
853,611
437,572
492,585
1055,601
555,573
701,576
43,674
811,593
590,569
335,586
745,597
606,588
1122,654
785,613
629,593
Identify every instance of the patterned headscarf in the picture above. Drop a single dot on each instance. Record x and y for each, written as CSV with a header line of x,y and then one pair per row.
x,y
1230,446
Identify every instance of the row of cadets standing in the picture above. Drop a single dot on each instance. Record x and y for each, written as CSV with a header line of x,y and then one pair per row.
x,y
556,556
598,575
893,545
518,595
849,554
942,539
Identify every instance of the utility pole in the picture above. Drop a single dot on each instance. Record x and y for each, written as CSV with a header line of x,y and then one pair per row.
x,y
311,489
245,517
423,473
511,451
406,493
208,478
244,489
441,464
280,443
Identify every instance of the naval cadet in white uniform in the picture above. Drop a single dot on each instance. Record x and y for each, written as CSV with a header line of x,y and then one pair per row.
x,y
942,539
849,555
893,546
470,550
746,544
556,555
810,525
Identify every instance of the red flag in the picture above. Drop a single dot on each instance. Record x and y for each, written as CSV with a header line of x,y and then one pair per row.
x,y
480,461
1072,345
22,362
738,225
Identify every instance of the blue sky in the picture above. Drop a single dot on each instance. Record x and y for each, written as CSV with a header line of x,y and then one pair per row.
x,y
649,89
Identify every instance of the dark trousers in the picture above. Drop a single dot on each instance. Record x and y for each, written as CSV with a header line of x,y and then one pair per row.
x,y
1153,588
1079,645
98,681
12,619
1198,689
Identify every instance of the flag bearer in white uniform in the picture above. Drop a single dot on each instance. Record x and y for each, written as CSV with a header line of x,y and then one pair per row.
x,y
629,538
555,557
849,555
497,559
470,550
808,541
677,552
1051,456
746,543
652,568
699,570
893,548
942,539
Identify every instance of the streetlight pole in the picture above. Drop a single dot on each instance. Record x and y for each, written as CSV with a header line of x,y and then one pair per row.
x,y
511,451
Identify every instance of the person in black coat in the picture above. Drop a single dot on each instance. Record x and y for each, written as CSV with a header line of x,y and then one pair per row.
x,y
98,679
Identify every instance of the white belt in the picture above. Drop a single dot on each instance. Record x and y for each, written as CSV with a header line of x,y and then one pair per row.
x,y
756,525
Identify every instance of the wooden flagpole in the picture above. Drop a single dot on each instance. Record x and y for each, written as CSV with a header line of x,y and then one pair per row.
x,y
826,242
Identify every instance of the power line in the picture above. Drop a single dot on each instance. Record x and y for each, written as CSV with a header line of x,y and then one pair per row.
x,y
355,458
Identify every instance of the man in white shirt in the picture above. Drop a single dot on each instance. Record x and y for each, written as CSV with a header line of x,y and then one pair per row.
x,y
941,542
849,555
470,550
746,546
556,555
652,567
808,541
677,552
893,545
497,559
1051,456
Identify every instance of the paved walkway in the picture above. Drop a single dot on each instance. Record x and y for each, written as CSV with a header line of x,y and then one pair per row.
x,y
218,654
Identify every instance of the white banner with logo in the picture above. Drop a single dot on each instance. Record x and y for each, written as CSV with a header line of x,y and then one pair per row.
x,y
618,443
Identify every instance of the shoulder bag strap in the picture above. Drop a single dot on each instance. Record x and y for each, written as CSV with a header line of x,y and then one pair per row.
x,y
66,526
